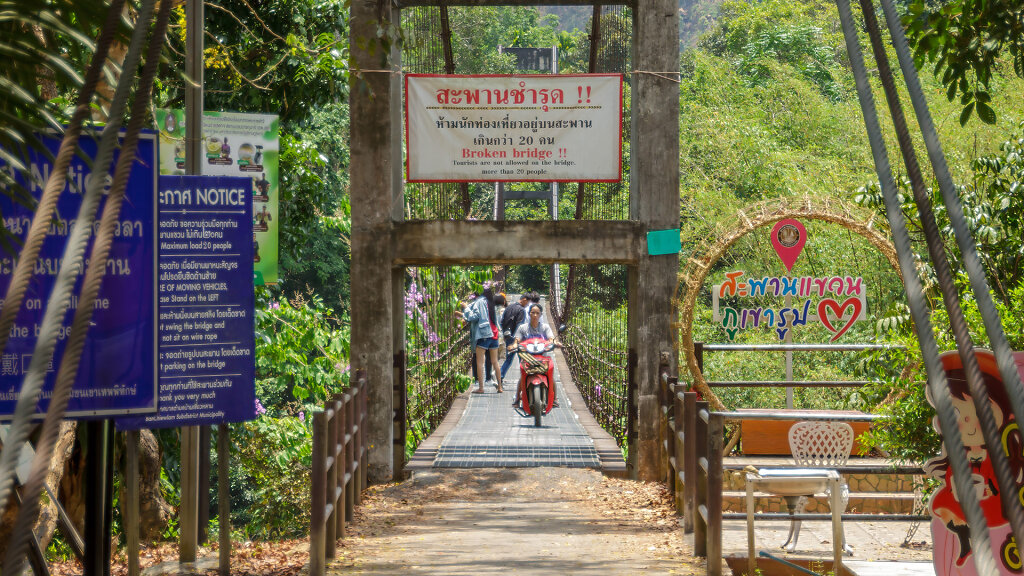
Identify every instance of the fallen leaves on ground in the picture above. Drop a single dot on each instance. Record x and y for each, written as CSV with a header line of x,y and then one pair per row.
x,y
270,558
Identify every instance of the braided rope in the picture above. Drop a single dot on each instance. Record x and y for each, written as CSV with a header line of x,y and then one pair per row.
x,y
91,286
57,305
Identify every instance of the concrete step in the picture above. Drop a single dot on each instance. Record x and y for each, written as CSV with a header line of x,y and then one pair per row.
x,y
860,502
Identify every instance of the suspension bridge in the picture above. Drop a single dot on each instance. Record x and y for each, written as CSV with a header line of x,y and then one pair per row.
x,y
618,378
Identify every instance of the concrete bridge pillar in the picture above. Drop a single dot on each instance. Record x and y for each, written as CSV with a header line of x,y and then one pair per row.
x,y
376,199
654,202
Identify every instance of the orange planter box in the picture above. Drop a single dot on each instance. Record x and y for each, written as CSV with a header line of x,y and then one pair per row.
x,y
771,437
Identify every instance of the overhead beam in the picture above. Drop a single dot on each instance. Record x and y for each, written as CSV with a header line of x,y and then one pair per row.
x,y
439,243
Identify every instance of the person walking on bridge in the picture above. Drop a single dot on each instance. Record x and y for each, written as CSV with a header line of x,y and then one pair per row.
x,y
483,329
513,316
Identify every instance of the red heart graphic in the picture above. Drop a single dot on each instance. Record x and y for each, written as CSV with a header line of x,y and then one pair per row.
x,y
838,309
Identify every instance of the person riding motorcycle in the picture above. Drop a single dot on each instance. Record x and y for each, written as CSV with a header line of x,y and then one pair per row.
x,y
533,328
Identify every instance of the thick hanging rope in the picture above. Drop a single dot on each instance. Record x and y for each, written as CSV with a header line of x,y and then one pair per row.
x,y
71,265
968,250
937,383
936,250
27,516
44,210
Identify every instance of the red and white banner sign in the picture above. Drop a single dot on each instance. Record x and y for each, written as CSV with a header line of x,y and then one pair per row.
x,y
520,128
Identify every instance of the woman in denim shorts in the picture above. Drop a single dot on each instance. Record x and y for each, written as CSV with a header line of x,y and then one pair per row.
x,y
483,329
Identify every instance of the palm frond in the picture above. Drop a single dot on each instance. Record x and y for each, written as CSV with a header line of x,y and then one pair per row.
x,y
43,43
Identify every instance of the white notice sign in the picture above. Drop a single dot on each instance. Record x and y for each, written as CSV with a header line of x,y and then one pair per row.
x,y
522,128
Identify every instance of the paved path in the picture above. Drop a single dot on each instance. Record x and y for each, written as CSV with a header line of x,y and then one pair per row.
x,y
483,430
525,521
492,434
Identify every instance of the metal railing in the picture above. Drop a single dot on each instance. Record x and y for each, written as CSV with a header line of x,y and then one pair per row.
x,y
700,348
694,447
338,471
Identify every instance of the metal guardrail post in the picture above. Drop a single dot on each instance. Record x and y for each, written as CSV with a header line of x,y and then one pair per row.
x,y
700,525
689,460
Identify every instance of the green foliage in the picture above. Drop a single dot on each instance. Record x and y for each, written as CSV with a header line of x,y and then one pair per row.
x,y
301,360
286,57
994,209
994,214
274,456
45,48
477,32
964,40
795,45
301,353
317,221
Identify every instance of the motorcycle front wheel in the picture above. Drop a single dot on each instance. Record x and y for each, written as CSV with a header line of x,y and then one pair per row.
x,y
537,404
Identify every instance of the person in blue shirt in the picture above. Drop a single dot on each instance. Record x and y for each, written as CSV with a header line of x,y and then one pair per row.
x,y
483,330
513,316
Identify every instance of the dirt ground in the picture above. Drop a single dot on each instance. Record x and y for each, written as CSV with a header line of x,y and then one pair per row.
x,y
528,520
483,521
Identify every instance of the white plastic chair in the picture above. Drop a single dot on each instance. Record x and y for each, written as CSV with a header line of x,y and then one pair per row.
x,y
819,445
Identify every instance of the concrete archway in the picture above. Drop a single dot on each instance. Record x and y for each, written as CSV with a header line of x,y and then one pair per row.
x,y
757,216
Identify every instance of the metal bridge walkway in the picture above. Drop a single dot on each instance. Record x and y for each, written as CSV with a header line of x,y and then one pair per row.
x,y
485,431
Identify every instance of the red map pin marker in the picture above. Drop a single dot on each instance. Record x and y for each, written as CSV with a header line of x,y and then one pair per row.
x,y
788,238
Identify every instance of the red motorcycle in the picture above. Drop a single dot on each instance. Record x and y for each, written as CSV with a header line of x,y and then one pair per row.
x,y
536,394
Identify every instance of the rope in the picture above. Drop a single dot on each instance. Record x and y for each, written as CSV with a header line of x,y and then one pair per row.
x,y
936,249
59,298
91,286
918,305
968,251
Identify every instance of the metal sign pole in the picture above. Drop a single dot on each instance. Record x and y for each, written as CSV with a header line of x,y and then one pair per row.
x,y
131,509
789,360
194,20
99,470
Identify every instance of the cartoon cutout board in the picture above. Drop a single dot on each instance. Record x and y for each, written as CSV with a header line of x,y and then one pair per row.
x,y
951,552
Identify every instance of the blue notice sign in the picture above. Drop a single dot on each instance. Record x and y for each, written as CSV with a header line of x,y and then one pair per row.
x,y
117,373
206,303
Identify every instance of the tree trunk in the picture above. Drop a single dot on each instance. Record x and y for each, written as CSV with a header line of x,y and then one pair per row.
x,y
154,511
47,521
47,86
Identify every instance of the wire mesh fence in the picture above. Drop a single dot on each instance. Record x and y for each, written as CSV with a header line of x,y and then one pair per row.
x,y
595,345
594,308
438,347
